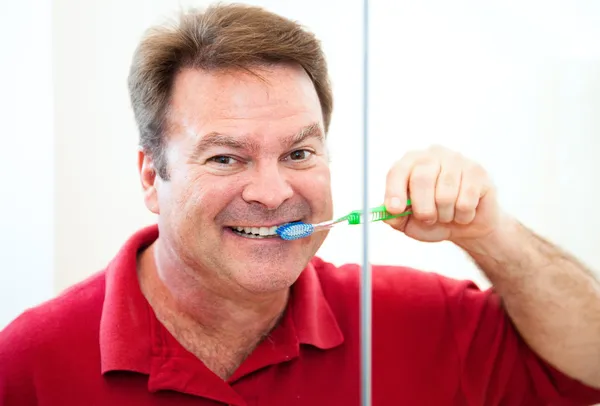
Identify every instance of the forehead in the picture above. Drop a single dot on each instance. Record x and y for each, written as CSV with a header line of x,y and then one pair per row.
x,y
276,100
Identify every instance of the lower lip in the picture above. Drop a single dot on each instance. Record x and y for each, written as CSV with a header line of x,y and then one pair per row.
x,y
264,240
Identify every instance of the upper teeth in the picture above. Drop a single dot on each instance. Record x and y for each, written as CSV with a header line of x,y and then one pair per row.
x,y
257,230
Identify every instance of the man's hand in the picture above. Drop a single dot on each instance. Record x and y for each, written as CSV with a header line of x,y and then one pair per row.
x,y
552,299
452,197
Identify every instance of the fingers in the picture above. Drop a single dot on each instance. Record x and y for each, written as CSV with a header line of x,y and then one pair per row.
x,y
396,193
422,187
471,191
443,187
447,189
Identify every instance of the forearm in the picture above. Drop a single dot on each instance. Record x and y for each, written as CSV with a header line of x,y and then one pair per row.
x,y
553,300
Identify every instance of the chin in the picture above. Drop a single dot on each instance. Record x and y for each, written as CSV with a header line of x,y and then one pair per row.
x,y
267,280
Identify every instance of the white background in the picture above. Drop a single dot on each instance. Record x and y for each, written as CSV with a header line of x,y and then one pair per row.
x,y
514,85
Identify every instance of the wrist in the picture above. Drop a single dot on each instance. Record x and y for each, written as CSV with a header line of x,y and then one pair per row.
x,y
500,244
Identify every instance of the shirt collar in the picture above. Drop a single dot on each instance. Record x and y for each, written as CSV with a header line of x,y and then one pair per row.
x,y
313,318
128,326
125,325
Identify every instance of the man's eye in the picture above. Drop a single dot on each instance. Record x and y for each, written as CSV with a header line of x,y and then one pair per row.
x,y
300,155
222,160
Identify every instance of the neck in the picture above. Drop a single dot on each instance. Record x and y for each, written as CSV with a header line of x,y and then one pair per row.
x,y
186,299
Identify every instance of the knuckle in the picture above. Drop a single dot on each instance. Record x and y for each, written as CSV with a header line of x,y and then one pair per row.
x,y
426,214
421,183
464,206
397,168
409,157
472,193
476,169
445,199
448,178
446,217
463,219
425,173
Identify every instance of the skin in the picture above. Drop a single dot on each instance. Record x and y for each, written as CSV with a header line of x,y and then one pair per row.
x,y
241,152
219,294
553,300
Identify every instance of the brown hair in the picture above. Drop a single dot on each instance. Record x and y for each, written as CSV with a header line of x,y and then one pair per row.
x,y
219,37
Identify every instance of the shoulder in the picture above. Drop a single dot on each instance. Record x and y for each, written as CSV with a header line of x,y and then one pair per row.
x,y
69,309
406,295
42,334
393,282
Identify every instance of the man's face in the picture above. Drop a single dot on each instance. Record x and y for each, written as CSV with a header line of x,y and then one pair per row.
x,y
243,153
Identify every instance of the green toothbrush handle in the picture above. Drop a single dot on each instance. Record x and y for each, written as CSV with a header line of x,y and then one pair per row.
x,y
379,213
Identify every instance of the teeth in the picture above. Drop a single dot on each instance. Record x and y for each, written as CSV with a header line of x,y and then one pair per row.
x,y
259,231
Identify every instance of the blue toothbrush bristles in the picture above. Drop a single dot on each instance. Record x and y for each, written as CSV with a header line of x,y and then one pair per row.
x,y
294,231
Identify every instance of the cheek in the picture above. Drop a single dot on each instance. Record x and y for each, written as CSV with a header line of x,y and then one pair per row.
x,y
319,182
208,195
315,186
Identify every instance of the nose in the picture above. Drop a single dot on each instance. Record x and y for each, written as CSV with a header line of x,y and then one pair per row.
x,y
268,187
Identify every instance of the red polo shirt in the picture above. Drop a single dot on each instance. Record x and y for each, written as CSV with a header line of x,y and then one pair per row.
x,y
436,341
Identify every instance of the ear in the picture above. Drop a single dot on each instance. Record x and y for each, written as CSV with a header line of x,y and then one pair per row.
x,y
148,178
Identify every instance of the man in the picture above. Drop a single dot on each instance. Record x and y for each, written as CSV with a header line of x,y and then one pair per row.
x,y
209,307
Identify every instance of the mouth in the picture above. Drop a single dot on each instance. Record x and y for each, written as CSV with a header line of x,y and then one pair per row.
x,y
256,232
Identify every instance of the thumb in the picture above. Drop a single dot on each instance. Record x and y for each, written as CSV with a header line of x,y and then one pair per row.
x,y
399,223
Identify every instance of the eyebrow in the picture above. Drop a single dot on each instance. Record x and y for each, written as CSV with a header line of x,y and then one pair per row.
x,y
310,131
216,139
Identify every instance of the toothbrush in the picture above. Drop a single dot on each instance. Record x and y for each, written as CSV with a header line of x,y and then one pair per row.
x,y
299,229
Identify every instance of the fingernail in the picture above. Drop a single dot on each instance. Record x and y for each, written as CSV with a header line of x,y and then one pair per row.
x,y
395,203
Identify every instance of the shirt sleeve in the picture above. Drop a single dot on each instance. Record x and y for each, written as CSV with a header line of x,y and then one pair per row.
x,y
497,366
16,372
